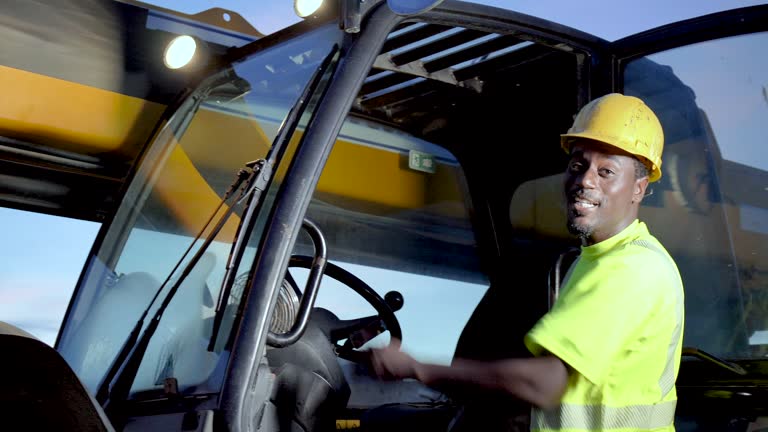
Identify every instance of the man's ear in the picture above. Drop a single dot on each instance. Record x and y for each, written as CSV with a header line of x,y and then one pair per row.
x,y
638,192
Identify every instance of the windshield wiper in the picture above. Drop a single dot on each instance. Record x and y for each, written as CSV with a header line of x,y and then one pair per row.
x,y
188,109
276,151
257,175
119,379
709,358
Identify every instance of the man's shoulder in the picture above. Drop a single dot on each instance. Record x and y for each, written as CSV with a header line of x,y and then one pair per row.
x,y
642,262
644,239
637,258
649,249
642,245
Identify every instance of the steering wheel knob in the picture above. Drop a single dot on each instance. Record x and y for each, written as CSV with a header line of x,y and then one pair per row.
x,y
394,300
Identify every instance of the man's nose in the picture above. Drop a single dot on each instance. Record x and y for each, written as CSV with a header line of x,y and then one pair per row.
x,y
587,179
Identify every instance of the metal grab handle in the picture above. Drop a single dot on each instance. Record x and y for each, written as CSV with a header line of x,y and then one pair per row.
x,y
554,286
310,291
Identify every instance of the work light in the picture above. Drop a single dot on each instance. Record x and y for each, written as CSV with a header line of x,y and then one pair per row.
x,y
305,8
180,51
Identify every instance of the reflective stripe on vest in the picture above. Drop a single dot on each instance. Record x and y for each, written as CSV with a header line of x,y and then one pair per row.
x,y
667,380
640,417
599,417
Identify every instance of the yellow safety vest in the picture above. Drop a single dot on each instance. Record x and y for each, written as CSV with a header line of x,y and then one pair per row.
x,y
618,324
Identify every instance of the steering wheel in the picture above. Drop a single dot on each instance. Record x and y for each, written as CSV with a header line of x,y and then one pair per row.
x,y
355,332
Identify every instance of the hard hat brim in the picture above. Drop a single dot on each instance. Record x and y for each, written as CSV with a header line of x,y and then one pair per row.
x,y
565,140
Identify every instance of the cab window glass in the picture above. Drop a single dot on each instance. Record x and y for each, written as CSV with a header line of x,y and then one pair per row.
x,y
396,213
184,177
710,209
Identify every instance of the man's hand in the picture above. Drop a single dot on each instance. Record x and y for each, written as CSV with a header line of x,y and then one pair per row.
x,y
391,363
540,381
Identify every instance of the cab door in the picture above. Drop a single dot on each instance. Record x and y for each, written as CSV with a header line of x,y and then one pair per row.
x,y
707,80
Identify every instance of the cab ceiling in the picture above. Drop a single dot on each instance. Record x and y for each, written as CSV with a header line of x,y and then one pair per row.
x,y
425,71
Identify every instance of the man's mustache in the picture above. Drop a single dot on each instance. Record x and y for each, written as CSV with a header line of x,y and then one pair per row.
x,y
583,195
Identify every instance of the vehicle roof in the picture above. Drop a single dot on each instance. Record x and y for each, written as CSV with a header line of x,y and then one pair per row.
x,y
621,18
607,20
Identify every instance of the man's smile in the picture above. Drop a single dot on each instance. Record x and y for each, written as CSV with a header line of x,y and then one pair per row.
x,y
579,203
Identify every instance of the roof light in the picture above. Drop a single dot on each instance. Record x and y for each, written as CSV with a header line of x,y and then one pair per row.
x,y
180,52
305,8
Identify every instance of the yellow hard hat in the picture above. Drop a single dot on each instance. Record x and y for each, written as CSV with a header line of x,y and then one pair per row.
x,y
622,121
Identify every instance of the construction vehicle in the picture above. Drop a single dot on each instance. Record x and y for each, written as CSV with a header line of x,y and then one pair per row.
x,y
404,151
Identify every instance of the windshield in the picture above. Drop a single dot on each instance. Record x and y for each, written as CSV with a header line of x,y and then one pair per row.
x,y
395,211
184,175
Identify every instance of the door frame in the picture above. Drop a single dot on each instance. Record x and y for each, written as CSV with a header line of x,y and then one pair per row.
x,y
718,25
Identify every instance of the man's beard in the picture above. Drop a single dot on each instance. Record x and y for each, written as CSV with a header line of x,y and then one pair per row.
x,y
582,231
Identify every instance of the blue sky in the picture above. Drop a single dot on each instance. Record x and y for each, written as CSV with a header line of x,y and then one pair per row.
x,y
41,260
42,256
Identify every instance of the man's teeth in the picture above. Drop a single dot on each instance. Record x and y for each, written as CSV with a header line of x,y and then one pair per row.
x,y
584,204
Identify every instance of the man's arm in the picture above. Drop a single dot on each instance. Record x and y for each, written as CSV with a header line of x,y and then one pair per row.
x,y
540,381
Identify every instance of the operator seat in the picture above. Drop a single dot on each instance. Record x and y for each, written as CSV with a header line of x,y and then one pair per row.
x,y
310,389
516,299
39,391
517,296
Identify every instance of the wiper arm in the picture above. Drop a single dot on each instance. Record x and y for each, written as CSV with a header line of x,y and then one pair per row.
x,y
177,127
119,379
725,364
276,151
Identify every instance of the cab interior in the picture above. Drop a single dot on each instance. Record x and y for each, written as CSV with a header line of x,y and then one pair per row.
x,y
498,103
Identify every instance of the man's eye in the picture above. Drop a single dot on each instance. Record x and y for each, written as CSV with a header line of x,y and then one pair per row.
x,y
606,171
575,166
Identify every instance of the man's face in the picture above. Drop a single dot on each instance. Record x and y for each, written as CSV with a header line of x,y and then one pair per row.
x,y
602,194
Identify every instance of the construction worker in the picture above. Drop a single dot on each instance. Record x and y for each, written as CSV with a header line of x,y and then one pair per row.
x,y
606,356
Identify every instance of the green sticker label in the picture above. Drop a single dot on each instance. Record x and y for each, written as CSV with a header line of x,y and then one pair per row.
x,y
421,161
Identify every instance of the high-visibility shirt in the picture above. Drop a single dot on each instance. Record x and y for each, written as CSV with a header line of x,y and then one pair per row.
x,y
618,325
